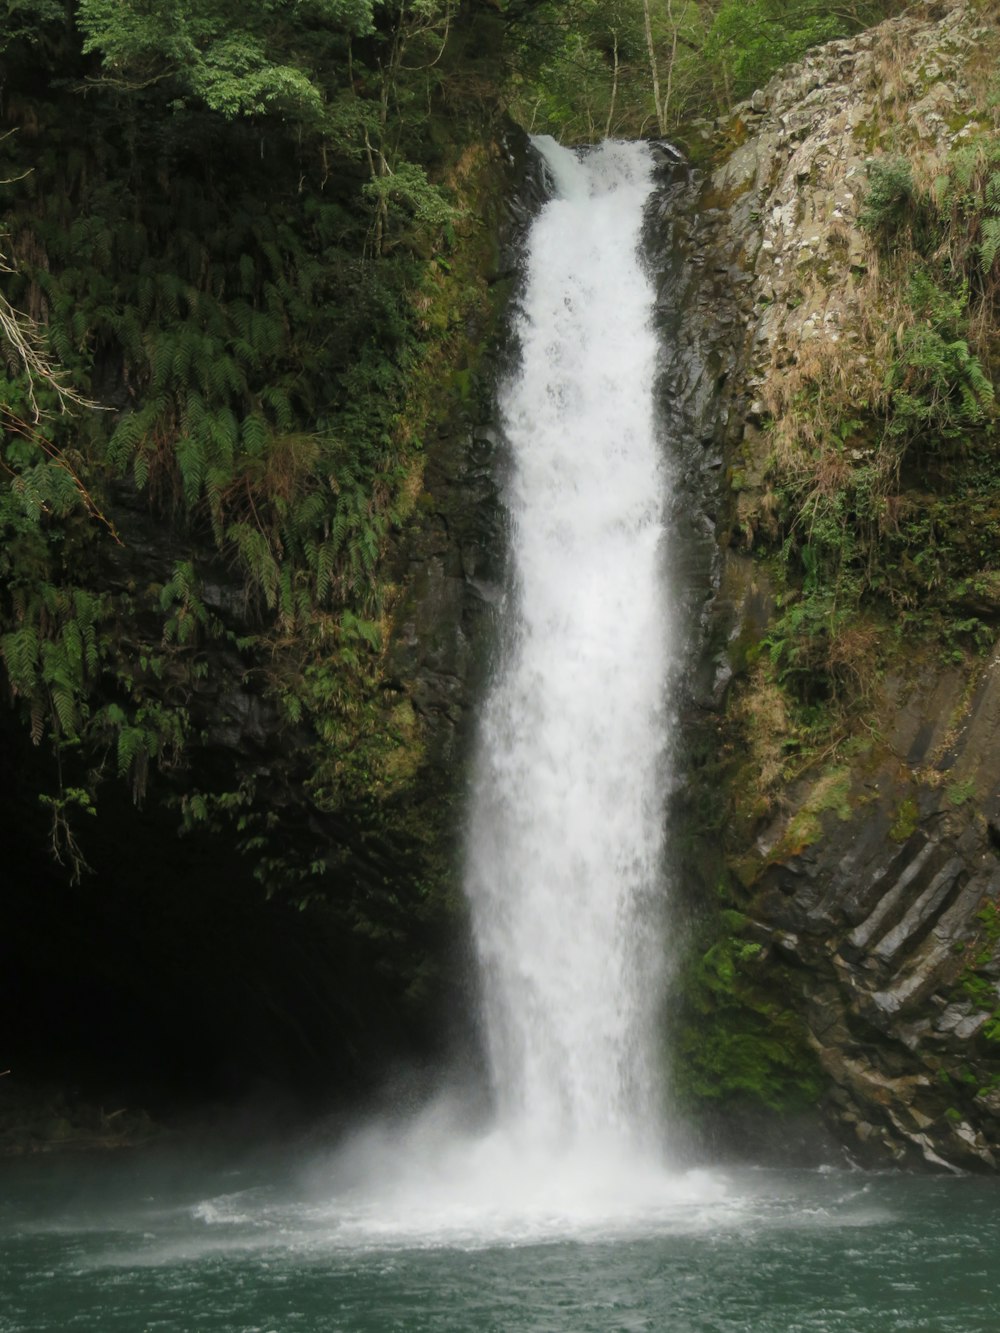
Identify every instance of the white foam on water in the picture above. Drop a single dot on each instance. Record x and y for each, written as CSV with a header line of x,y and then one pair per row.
x,y
434,1183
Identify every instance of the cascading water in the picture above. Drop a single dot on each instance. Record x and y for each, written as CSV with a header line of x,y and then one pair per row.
x,y
565,851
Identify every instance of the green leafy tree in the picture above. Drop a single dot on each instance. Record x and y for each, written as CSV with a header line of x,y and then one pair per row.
x,y
749,40
238,59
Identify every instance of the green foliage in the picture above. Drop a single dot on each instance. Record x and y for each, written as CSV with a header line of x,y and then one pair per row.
x,y
885,481
238,60
153,733
31,21
584,69
970,192
228,237
54,654
371,740
960,792
939,387
749,40
953,225
186,616
889,199
738,1043
905,823
408,190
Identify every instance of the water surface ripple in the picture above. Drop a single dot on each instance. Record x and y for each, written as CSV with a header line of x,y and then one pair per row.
x,y
162,1245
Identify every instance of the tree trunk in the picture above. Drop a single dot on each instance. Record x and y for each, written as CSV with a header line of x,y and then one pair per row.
x,y
653,68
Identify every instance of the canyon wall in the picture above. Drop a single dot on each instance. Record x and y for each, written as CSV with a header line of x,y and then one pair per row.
x,y
856,738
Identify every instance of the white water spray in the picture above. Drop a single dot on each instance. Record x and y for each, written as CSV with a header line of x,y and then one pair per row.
x,y
566,844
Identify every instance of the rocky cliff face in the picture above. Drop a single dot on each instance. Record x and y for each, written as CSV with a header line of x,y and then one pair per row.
x,y
865,862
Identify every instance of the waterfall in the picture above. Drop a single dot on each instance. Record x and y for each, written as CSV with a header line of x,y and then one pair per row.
x,y
565,852
565,859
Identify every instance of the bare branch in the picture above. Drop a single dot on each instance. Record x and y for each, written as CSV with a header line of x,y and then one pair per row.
x,y
23,336
25,342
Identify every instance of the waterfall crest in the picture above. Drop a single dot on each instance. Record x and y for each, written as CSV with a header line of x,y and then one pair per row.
x,y
564,864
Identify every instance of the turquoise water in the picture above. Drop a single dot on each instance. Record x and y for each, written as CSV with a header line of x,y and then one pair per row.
x,y
161,1242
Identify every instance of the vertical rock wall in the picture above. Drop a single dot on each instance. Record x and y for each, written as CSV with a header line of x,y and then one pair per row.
x,y
871,878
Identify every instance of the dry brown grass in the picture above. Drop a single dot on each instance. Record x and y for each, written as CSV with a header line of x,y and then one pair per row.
x,y
288,465
762,712
851,659
893,54
982,64
808,401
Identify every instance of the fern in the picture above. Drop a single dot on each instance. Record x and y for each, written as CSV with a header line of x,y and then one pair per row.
x,y
257,559
187,614
267,334
224,432
255,433
277,400
322,559
357,629
20,650
145,296
190,454
247,274
312,513
128,329
140,471
71,641
112,715
161,361
64,702
128,436
215,488
989,244
131,745
184,354
194,414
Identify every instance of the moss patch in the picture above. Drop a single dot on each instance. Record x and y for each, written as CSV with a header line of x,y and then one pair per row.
x,y
905,823
738,1041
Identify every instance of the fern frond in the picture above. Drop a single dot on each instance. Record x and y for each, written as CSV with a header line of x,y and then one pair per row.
x,y
131,744
224,433
72,645
257,559
990,242
184,352
192,461
255,433
65,707
193,413
20,654
140,471
268,333
146,296
277,400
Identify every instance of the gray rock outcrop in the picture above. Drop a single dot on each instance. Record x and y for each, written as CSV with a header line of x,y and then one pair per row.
x,y
873,877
